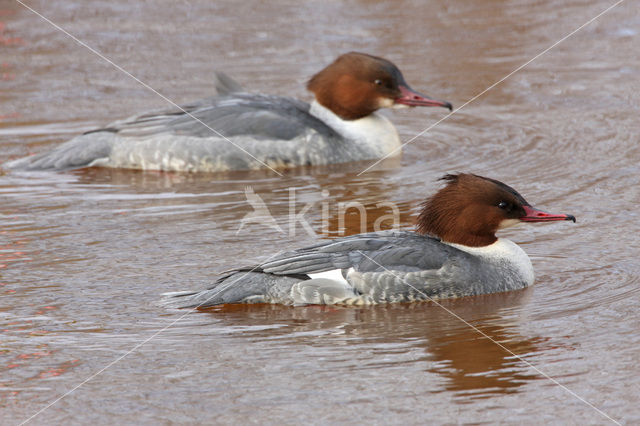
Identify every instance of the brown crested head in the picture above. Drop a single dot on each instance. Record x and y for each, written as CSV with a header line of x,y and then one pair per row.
x,y
470,209
356,84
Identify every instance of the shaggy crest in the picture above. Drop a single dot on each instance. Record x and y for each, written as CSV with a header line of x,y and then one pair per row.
x,y
469,210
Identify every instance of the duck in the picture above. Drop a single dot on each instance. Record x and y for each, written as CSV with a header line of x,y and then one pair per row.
x,y
238,130
453,252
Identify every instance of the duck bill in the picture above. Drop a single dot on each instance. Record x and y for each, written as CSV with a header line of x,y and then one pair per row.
x,y
535,215
410,97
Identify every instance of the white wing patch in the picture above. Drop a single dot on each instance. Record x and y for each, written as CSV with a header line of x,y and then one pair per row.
x,y
334,275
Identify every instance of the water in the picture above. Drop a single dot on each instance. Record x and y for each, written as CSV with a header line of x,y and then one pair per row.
x,y
85,255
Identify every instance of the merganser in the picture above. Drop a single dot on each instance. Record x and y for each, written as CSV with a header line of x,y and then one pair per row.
x,y
238,131
454,252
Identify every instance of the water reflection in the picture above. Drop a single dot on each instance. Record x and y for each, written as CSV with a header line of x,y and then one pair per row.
x,y
471,364
334,202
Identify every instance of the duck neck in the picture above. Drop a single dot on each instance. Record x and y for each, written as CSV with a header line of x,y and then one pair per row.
x,y
375,131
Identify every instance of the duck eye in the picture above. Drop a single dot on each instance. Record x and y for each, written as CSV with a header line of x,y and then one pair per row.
x,y
378,82
503,205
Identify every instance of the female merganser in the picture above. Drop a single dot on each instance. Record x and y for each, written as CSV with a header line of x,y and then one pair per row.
x,y
238,131
454,253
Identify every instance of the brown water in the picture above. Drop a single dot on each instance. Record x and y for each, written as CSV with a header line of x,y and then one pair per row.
x,y
85,255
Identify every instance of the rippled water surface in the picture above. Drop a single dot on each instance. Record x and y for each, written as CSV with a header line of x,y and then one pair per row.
x,y
85,255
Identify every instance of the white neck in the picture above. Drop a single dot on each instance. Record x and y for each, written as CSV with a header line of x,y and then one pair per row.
x,y
503,250
374,131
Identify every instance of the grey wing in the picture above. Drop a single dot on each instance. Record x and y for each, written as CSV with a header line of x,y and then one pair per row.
x,y
232,114
376,251
386,266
